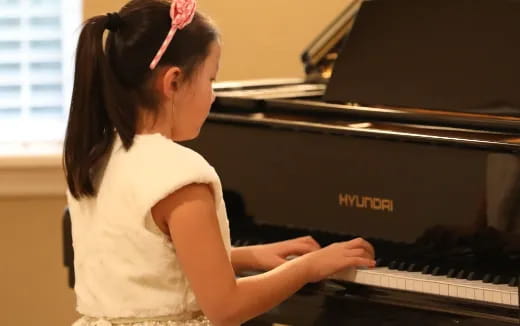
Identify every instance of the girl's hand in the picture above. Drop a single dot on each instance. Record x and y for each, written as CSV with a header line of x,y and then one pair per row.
x,y
271,255
338,256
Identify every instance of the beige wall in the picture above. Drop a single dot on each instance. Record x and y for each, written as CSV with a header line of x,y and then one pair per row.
x,y
33,282
262,39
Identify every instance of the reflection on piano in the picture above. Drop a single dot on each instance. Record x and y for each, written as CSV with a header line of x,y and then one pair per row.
x,y
436,189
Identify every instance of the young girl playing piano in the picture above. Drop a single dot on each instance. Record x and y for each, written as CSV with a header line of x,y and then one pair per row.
x,y
150,232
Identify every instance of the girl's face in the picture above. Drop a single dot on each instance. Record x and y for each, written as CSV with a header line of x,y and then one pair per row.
x,y
192,101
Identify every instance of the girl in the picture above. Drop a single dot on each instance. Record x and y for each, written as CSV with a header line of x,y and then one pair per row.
x,y
149,225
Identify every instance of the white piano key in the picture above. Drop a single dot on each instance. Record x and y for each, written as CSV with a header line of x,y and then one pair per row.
x,y
409,284
376,279
479,294
452,290
436,285
418,285
497,297
488,286
494,293
365,277
401,283
348,274
368,278
392,282
506,298
444,289
488,295
461,292
384,281
435,288
514,299
506,289
470,293
360,277
427,287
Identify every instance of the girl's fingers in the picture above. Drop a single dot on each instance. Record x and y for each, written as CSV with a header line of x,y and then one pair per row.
x,y
313,242
360,243
308,239
360,262
358,252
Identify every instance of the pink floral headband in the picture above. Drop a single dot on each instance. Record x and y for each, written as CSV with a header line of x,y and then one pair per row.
x,y
181,13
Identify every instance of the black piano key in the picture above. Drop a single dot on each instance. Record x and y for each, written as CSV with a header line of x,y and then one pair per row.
x,y
474,276
393,264
439,271
380,262
414,267
461,274
402,266
487,278
452,272
499,279
436,271
427,269
513,282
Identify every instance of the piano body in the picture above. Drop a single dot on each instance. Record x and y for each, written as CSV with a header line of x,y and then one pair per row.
x,y
359,148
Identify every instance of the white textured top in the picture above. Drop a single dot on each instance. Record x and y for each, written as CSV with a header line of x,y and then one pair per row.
x,y
124,265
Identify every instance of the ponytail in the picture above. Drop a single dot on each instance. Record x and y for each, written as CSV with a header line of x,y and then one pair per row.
x,y
96,111
112,81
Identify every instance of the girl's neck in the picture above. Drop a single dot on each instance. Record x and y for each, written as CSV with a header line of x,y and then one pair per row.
x,y
148,123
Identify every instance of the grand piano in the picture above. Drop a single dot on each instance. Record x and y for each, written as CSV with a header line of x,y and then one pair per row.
x,y
405,131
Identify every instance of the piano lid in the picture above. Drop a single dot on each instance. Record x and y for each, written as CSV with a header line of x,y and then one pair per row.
x,y
456,55
391,92
319,57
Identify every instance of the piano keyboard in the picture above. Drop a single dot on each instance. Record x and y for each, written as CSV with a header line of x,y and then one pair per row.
x,y
437,285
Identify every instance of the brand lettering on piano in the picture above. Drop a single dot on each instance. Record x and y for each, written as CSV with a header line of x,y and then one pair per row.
x,y
374,203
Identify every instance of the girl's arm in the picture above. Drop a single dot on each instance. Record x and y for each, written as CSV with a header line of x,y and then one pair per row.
x,y
191,218
244,258
265,257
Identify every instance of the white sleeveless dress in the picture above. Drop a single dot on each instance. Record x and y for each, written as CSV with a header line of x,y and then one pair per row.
x,y
126,269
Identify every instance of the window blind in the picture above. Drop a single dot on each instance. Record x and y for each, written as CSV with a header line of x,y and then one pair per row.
x,y
37,43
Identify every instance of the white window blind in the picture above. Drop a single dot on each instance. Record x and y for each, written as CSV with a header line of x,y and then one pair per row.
x,y
37,44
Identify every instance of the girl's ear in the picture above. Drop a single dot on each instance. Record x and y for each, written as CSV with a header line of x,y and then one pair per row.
x,y
171,81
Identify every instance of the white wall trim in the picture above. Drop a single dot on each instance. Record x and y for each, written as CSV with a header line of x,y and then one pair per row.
x,y
31,175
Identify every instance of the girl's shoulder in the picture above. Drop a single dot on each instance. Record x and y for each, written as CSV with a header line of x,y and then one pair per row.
x,y
155,166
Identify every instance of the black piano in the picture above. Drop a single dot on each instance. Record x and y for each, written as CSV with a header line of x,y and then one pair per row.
x,y
405,131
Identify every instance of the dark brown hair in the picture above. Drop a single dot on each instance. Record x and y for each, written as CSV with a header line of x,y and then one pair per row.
x,y
113,79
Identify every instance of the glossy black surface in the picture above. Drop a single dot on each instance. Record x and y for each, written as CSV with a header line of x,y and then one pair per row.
x,y
458,55
315,106
451,194
311,172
